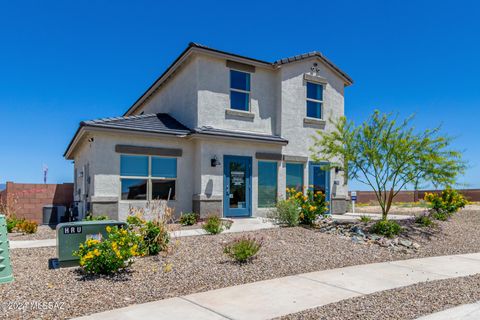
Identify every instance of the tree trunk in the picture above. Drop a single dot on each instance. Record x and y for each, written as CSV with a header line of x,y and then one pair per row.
x,y
388,204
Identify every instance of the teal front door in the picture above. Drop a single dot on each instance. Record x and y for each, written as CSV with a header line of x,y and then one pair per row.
x,y
319,179
237,182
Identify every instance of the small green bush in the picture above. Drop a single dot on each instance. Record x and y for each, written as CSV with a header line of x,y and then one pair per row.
x,y
424,221
441,216
243,249
312,204
91,217
153,233
188,219
365,219
388,228
214,225
12,222
286,213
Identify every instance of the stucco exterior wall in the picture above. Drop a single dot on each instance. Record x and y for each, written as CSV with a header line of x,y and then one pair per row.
x,y
212,177
214,98
178,96
105,163
293,111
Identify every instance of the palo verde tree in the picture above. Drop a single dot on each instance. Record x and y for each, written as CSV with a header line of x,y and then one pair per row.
x,y
388,155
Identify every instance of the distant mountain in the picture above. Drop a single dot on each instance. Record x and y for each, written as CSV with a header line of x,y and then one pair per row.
x,y
2,186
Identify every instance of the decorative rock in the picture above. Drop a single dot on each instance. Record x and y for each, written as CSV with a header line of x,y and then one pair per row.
x,y
405,243
415,246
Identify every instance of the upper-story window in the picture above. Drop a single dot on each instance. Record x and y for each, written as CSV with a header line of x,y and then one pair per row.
x,y
314,100
239,90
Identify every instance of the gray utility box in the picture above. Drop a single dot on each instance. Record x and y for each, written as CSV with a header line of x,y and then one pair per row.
x,y
52,214
71,234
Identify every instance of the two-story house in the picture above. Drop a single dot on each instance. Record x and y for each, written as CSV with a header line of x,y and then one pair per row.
x,y
216,133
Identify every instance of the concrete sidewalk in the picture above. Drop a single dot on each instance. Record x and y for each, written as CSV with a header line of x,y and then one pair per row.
x,y
239,225
350,216
277,297
463,312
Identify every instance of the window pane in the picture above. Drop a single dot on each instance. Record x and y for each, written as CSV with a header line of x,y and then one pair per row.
x,y
164,167
314,91
133,166
161,189
314,109
239,100
267,184
134,189
295,176
239,80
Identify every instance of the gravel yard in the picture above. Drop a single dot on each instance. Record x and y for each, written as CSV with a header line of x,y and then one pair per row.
x,y
404,303
43,232
198,264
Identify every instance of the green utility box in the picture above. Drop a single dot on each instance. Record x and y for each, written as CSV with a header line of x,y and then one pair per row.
x,y
6,274
71,234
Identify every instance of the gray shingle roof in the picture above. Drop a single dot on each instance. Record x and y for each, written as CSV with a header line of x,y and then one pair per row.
x,y
239,134
163,123
155,123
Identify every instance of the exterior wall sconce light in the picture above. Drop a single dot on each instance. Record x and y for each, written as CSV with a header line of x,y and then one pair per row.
x,y
215,162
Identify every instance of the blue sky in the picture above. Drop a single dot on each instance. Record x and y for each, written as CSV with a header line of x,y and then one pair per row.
x,y
66,61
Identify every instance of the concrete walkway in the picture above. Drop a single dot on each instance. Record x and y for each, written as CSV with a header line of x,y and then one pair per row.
x,y
239,225
463,312
277,297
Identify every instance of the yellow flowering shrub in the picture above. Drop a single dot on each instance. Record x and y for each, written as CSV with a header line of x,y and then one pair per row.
x,y
109,255
446,203
312,204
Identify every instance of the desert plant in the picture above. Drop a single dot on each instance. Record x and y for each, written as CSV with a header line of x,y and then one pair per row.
x,y
311,205
286,213
243,249
90,217
111,254
154,233
387,156
446,203
215,225
388,228
365,219
9,205
188,219
424,221
12,222
27,226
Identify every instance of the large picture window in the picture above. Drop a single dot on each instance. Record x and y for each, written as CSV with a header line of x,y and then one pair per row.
x,y
267,184
295,176
147,177
239,90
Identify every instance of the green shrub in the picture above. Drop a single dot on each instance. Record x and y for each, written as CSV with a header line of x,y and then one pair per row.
x,y
12,222
188,219
91,217
424,221
365,219
243,249
388,228
214,225
312,205
286,213
27,226
111,254
445,204
154,234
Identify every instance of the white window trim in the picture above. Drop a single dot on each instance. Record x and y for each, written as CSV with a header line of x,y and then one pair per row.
x,y
149,179
239,90
314,100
